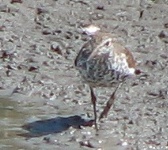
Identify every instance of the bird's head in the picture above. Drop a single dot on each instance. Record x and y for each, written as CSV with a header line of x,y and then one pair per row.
x,y
103,47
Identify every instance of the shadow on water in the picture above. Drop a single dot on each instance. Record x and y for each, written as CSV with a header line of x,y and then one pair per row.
x,y
12,118
55,125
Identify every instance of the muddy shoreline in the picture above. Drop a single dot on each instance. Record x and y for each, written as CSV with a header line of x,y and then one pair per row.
x,y
39,41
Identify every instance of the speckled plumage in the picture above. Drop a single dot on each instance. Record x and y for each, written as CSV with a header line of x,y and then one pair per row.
x,y
102,61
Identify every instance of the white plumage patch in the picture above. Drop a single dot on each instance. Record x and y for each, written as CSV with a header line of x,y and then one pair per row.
x,y
120,65
91,29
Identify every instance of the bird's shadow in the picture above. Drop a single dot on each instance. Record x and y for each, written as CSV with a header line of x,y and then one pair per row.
x,y
54,125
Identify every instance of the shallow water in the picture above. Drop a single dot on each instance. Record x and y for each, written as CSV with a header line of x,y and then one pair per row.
x,y
11,119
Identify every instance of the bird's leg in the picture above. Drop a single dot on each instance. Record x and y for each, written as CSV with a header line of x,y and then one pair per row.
x,y
93,99
109,103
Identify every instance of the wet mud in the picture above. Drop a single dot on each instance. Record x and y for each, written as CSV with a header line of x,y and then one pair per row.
x,y
39,41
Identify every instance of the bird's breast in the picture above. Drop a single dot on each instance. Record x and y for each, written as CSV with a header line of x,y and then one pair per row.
x,y
104,70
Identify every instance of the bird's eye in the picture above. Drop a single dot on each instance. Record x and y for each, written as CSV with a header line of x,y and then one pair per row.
x,y
107,43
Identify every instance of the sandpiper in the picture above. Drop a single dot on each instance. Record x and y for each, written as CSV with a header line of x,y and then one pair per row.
x,y
104,62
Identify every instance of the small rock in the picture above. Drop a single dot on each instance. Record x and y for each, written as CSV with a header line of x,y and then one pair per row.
x,y
46,32
163,35
100,7
41,10
166,25
55,46
141,14
16,1
32,68
164,56
56,32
